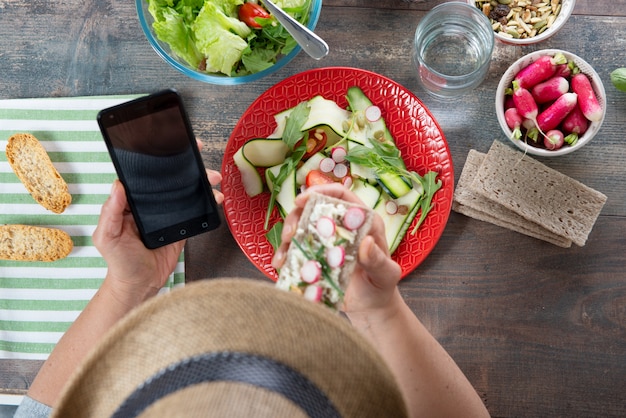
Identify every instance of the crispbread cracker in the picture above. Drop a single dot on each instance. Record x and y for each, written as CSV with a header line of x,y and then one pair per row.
x,y
476,206
33,167
33,243
558,203
304,238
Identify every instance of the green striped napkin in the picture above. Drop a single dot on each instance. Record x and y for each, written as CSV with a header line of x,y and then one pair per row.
x,y
38,301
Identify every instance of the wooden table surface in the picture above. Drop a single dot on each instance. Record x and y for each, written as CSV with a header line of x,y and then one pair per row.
x,y
539,330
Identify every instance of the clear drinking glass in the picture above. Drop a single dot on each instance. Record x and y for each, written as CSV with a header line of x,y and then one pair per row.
x,y
452,49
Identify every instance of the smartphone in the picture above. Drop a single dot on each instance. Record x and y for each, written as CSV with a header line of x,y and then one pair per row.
x,y
156,158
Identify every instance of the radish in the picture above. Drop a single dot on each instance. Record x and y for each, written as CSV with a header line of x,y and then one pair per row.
x,y
338,154
513,121
533,133
588,101
525,103
354,218
550,90
325,226
541,69
575,122
563,70
335,256
508,102
373,113
340,170
554,139
391,207
556,112
529,124
313,293
347,181
311,271
327,165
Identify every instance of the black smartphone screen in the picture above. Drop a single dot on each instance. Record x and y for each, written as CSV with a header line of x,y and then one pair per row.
x,y
155,154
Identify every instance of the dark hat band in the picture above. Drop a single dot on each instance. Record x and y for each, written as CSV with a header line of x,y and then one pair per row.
x,y
238,367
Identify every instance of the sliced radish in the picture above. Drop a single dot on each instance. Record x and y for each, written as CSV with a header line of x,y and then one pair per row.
x,y
335,256
313,293
391,207
373,113
339,154
354,218
347,181
340,170
327,165
325,227
311,271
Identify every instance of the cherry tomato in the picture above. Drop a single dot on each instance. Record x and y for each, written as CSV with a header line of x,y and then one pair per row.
x,y
249,11
316,177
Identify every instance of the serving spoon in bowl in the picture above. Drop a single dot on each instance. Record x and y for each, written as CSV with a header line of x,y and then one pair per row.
x,y
312,44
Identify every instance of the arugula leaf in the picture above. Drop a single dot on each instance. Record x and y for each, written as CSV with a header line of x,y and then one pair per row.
x,y
431,185
293,126
292,136
290,164
390,161
273,235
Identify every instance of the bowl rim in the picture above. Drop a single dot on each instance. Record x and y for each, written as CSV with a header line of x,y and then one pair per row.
x,y
510,72
560,20
316,7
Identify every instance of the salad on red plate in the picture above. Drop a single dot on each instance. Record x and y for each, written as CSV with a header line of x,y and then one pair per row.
x,y
318,142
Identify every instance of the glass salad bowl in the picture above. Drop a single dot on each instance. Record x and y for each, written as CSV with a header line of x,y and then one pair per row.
x,y
166,52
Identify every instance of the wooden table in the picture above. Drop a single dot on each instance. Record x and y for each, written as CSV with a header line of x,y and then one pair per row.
x,y
539,330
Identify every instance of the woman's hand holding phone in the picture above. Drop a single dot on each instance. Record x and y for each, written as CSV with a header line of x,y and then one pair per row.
x,y
135,272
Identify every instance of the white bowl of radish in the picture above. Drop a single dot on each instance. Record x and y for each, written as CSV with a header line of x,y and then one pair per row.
x,y
550,103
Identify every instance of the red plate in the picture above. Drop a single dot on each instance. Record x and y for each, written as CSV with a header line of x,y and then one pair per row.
x,y
417,134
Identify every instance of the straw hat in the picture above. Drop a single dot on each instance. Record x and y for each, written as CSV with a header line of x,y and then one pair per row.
x,y
232,348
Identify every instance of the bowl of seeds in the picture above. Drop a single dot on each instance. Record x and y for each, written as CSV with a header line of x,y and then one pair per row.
x,y
525,22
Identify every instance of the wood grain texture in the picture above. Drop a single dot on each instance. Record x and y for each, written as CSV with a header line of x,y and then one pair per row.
x,y
539,330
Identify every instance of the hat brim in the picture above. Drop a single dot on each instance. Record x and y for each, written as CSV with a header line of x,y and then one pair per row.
x,y
189,331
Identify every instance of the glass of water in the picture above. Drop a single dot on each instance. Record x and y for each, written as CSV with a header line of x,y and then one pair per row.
x,y
452,49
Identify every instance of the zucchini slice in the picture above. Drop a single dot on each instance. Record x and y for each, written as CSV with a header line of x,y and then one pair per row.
x,y
250,177
261,152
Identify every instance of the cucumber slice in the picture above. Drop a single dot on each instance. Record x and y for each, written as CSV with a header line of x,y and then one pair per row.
x,y
261,152
325,114
368,193
311,164
359,102
396,225
286,197
250,177
394,184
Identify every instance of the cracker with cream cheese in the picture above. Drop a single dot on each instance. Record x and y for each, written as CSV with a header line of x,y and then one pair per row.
x,y
323,252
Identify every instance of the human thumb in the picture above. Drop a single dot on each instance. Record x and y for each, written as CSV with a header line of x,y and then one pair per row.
x,y
380,267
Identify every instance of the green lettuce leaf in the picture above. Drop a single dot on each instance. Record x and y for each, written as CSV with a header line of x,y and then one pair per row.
x,y
173,30
220,38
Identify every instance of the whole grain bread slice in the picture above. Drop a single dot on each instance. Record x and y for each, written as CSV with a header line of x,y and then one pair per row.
x,y
540,194
33,167
474,205
33,243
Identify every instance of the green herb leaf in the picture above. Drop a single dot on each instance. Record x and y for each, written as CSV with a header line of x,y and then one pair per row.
x,y
431,185
273,235
290,164
294,123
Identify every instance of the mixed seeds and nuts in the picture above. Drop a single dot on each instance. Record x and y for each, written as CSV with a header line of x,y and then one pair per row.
x,y
520,18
